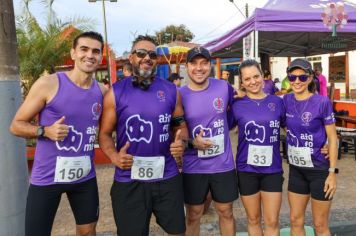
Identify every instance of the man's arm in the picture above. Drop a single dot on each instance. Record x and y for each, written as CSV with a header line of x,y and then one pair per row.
x,y
178,123
43,90
107,125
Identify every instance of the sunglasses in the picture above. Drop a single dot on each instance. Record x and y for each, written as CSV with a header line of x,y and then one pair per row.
x,y
141,53
302,78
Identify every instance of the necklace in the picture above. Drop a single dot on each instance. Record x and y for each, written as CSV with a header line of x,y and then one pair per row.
x,y
304,107
259,101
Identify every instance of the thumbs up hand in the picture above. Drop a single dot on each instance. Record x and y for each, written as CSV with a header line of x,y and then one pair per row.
x,y
58,131
122,159
201,143
177,147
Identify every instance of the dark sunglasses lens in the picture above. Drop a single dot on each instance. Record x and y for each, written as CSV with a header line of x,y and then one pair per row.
x,y
152,55
141,53
292,78
303,78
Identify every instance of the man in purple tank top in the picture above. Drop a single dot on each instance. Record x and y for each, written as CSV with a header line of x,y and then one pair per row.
x,y
69,106
208,164
147,115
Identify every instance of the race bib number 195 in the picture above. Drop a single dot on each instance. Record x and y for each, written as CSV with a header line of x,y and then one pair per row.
x,y
300,156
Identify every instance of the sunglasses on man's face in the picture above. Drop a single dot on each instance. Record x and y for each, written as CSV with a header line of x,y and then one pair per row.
x,y
141,53
302,78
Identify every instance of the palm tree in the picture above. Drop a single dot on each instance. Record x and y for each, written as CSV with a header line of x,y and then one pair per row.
x,y
41,49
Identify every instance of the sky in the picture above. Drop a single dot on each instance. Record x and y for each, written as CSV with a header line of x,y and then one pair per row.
x,y
206,19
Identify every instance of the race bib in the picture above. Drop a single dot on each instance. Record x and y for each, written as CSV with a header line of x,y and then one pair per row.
x,y
300,156
70,169
259,155
147,168
217,148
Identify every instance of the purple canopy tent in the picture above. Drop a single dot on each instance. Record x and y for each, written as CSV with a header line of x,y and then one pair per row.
x,y
287,28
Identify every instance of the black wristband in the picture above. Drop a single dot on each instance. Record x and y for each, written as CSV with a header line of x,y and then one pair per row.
x,y
188,144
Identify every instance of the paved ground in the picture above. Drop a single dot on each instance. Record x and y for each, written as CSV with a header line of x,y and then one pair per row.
x,y
343,208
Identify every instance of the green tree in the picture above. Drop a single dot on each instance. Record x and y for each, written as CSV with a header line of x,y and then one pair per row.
x,y
42,48
172,33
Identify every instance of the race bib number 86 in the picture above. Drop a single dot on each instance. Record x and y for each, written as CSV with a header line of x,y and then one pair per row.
x,y
147,168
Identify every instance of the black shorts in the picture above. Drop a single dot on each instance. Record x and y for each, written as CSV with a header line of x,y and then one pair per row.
x,y
133,204
308,181
223,187
251,183
43,201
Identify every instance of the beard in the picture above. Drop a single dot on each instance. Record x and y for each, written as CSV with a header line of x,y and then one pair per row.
x,y
146,74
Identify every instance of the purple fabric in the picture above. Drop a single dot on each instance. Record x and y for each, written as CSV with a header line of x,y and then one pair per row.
x,y
272,116
143,119
305,121
284,16
207,109
269,87
82,109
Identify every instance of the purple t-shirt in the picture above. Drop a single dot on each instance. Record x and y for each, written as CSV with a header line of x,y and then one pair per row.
x,y
259,122
82,109
269,87
305,121
207,110
143,119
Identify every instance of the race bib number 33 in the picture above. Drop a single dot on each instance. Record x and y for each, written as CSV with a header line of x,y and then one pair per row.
x,y
259,155
217,148
70,169
147,168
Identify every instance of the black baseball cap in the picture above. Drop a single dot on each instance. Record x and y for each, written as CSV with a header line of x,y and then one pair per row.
x,y
301,64
198,51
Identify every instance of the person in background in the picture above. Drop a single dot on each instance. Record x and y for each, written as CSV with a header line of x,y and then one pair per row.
x,y
322,81
127,69
277,84
225,75
175,78
268,87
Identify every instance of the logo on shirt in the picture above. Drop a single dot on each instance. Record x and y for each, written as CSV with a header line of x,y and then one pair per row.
x,y
207,131
255,132
96,110
138,129
73,141
161,96
272,106
306,117
218,104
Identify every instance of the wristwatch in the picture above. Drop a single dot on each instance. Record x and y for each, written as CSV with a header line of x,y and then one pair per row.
x,y
40,131
333,170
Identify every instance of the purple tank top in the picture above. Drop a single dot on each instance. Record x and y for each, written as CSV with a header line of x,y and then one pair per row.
x,y
143,119
207,110
82,109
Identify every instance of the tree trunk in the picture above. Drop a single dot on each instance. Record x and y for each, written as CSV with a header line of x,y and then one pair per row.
x,y
13,165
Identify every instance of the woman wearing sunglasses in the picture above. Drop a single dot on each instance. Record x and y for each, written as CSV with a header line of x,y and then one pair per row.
x,y
259,165
310,124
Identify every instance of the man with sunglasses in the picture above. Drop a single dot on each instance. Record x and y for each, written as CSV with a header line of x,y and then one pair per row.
x,y
208,165
147,115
